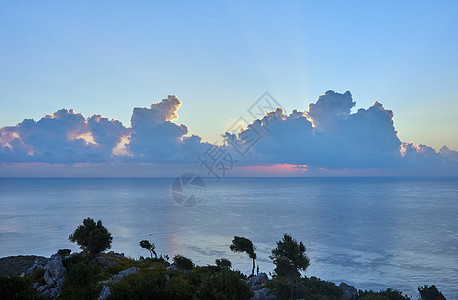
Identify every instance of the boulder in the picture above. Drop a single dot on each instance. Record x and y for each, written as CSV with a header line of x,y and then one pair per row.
x,y
350,292
172,268
38,266
104,293
263,294
54,276
121,275
256,282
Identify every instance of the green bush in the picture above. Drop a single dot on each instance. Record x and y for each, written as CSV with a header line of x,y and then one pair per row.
x,y
148,284
388,294
15,287
316,288
81,278
183,263
224,285
223,263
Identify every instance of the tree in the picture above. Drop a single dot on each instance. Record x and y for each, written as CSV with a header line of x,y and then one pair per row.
x,y
183,263
289,258
148,246
223,263
92,237
241,244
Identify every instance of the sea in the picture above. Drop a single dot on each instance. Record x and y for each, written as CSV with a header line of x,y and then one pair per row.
x,y
372,233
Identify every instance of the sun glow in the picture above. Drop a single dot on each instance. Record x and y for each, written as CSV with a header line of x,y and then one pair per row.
x,y
121,148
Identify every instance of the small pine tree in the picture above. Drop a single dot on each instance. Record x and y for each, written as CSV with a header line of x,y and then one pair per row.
x,y
241,244
289,258
145,244
92,237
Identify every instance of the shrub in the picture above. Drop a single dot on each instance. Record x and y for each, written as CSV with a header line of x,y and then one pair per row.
x,y
15,287
223,263
92,237
388,294
81,277
183,263
143,285
430,293
226,284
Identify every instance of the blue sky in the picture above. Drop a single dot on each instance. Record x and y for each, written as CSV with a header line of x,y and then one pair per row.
x,y
107,57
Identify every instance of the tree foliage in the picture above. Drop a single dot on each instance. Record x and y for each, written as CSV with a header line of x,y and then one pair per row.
x,y
223,263
92,237
241,244
289,257
145,244
183,263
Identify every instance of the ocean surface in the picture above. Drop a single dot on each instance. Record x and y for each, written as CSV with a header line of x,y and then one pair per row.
x,y
372,233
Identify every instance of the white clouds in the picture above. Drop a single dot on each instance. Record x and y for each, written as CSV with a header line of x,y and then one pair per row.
x,y
326,136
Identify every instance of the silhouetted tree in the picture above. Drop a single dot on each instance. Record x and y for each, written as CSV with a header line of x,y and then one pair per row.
x,y
241,244
183,263
289,258
223,263
145,244
92,237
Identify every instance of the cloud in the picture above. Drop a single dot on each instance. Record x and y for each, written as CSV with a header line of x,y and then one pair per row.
x,y
326,137
68,137
329,136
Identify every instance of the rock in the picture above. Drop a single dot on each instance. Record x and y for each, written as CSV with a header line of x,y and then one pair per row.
x,y
104,293
121,275
256,282
64,252
55,271
38,266
101,260
350,292
263,294
54,276
172,268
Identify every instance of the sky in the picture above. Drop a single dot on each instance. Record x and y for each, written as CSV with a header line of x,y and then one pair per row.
x,y
106,58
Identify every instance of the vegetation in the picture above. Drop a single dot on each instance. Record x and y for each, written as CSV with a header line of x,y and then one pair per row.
x,y
289,258
15,287
145,244
430,293
223,263
86,274
388,294
241,244
92,237
183,263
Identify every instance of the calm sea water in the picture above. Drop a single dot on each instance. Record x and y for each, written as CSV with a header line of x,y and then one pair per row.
x,y
369,232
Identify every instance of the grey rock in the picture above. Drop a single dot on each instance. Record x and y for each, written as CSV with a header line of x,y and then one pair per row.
x,y
101,260
263,294
54,276
350,292
104,293
55,270
39,264
172,268
121,275
256,282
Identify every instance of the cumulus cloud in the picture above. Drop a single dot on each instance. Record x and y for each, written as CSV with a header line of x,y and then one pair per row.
x,y
327,136
68,137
